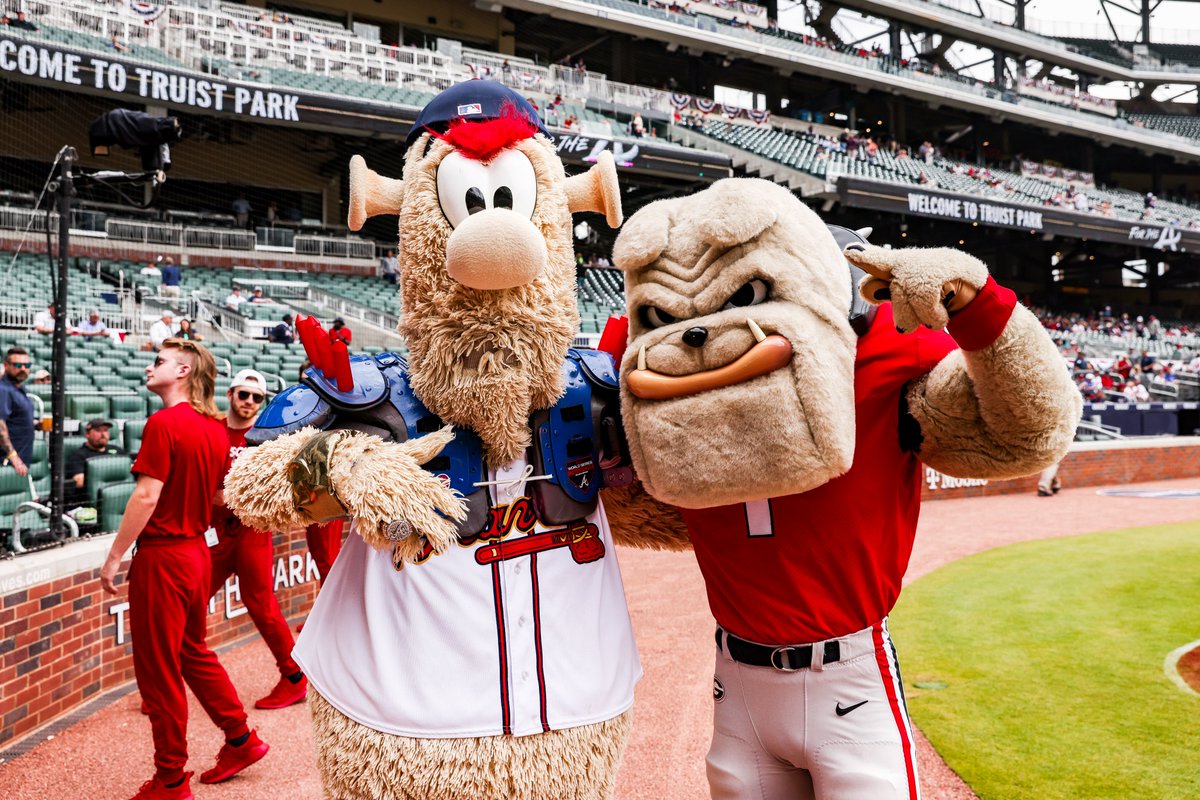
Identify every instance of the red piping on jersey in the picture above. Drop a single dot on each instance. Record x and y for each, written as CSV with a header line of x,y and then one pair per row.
x,y
502,646
537,641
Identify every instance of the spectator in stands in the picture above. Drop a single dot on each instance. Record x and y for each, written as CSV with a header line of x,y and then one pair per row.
x,y
97,433
115,44
171,278
339,331
235,299
188,331
161,330
16,411
92,326
283,333
1153,328
1135,392
1146,362
43,376
636,126
272,213
179,468
389,266
43,321
256,296
241,211
152,270
19,21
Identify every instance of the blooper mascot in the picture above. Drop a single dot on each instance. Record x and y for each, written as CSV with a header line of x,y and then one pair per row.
x,y
472,641
783,401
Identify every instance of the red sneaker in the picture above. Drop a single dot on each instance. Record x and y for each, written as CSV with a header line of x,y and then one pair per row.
x,y
232,760
285,694
155,789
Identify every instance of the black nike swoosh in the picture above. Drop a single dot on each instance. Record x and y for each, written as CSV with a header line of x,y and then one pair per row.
x,y
841,712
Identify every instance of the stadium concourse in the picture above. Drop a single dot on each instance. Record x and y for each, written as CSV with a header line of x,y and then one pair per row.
x,y
100,752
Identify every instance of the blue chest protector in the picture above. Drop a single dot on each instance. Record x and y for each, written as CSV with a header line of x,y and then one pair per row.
x,y
578,442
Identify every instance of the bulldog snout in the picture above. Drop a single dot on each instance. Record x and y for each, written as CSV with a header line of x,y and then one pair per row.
x,y
695,337
495,249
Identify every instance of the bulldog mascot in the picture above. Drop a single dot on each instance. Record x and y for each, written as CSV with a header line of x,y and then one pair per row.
x,y
783,401
472,641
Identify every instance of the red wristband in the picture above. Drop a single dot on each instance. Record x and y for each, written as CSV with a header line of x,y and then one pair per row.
x,y
984,318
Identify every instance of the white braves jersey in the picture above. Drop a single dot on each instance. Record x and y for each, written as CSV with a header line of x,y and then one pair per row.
x,y
520,630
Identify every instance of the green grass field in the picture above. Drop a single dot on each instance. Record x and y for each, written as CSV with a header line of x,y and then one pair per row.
x,y
1051,655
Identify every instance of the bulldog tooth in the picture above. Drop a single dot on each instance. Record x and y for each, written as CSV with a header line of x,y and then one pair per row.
x,y
642,358
757,331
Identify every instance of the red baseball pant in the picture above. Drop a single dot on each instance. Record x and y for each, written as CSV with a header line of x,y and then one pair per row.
x,y
249,553
168,618
324,543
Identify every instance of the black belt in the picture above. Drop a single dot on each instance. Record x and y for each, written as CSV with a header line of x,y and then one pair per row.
x,y
786,658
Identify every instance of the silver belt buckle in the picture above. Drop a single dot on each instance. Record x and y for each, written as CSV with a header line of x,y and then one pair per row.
x,y
781,659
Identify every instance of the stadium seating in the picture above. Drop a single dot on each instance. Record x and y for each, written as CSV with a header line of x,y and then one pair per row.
x,y
102,471
1179,124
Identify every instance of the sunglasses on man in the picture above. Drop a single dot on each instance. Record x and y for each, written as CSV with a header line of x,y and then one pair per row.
x,y
243,395
20,364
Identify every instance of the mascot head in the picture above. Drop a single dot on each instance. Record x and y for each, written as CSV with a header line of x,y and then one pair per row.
x,y
738,381
487,270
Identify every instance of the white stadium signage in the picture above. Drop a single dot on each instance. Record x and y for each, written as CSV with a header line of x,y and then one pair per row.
x,y
935,205
155,85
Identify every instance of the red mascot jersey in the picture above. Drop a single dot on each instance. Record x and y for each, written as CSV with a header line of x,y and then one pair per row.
x,y
829,562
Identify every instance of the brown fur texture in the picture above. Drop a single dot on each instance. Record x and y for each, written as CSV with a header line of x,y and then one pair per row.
x,y
688,257
259,492
638,520
358,763
486,359
917,278
363,464
257,488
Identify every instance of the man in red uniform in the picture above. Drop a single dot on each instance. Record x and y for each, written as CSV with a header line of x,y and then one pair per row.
x,y
179,469
248,552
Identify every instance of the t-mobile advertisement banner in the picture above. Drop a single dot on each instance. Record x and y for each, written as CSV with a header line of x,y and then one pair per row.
x,y
181,90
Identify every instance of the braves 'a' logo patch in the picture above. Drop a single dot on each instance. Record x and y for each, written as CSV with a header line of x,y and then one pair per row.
x,y
580,472
718,690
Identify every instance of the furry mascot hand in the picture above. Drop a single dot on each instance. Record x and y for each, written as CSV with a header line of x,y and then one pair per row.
x,y
925,285
311,476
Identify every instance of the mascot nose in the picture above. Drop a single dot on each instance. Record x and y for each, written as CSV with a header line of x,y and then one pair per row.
x,y
495,249
695,337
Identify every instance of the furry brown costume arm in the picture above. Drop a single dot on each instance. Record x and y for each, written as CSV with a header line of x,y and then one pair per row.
x,y
381,484
997,408
638,520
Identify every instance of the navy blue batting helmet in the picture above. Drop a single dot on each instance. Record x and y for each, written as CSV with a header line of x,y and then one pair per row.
x,y
471,101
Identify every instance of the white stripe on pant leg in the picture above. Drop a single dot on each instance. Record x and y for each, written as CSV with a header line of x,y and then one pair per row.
x,y
889,674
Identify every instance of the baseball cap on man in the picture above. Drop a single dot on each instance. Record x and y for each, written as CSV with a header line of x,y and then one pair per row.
x,y
472,101
97,423
249,378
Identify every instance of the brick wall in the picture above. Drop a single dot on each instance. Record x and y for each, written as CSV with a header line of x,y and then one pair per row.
x,y
62,640
1088,464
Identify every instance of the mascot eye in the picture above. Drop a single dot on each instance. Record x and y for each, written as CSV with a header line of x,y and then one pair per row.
x,y
466,186
655,317
475,201
751,294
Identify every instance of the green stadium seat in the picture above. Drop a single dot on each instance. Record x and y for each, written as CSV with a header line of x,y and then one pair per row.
x,y
112,501
133,435
85,407
126,406
105,470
